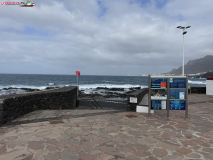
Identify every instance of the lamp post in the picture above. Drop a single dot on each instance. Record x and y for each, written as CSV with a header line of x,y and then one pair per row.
x,y
184,32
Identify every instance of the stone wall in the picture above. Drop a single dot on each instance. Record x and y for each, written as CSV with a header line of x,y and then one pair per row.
x,y
139,95
16,105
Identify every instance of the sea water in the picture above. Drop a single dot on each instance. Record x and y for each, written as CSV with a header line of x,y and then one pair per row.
x,y
87,83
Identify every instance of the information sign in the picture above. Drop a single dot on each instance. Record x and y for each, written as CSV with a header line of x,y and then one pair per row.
x,y
177,93
168,93
158,94
177,104
177,83
133,99
158,83
158,104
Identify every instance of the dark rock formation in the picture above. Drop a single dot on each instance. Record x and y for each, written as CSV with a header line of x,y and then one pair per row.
x,y
208,75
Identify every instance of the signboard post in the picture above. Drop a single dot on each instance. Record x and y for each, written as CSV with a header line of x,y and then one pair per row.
x,y
168,93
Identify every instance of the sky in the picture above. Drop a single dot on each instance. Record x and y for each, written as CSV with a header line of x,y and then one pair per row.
x,y
103,37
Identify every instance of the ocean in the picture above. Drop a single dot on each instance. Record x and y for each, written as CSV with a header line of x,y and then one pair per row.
x,y
87,83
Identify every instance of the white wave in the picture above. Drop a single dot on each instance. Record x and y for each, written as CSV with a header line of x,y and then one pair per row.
x,y
24,86
10,91
51,84
196,82
93,86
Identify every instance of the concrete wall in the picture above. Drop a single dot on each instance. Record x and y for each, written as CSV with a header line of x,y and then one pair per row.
x,y
14,106
139,95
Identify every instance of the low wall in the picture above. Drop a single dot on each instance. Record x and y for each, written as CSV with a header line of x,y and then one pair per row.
x,y
137,94
16,105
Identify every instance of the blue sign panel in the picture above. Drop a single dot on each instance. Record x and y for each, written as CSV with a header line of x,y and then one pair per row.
x,y
158,82
158,104
177,94
177,83
177,105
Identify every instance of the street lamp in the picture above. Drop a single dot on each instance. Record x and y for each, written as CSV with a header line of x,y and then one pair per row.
x,y
184,32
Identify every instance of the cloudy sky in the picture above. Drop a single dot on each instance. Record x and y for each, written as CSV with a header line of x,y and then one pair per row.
x,y
103,37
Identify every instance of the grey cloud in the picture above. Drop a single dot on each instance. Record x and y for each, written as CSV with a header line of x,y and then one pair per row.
x,y
127,38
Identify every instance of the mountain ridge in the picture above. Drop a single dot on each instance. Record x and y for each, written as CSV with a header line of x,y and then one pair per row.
x,y
195,66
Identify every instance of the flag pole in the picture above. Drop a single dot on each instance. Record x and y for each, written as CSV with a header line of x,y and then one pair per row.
x,y
77,83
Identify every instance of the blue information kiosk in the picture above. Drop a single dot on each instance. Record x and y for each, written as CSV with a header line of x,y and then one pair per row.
x,y
168,93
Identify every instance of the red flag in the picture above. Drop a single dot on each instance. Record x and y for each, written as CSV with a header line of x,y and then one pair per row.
x,y
77,73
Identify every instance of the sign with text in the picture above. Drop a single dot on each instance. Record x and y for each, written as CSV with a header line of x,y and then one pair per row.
x,y
133,99
158,82
177,105
158,104
177,83
177,93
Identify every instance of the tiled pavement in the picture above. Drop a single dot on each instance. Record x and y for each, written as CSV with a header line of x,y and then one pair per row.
x,y
111,134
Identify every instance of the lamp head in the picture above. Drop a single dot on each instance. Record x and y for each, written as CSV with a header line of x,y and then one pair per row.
x,y
184,32
188,26
178,26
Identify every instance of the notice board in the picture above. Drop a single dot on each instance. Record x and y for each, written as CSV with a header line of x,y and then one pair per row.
x,y
168,93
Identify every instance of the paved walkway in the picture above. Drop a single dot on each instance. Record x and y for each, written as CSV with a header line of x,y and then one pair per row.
x,y
111,134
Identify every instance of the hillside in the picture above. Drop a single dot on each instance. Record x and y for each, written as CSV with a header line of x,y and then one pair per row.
x,y
196,66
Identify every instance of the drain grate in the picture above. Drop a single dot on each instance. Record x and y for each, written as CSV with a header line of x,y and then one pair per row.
x,y
56,122
130,116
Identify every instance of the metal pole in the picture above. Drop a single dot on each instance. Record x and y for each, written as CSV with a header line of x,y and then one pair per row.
x,y
149,97
186,100
168,96
183,54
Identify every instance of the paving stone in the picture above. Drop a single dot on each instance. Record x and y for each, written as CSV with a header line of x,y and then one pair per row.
x,y
177,154
51,148
56,156
206,155
108,150
49,155
172,157
73,148
29,157
53,142
133,157
168,145
142,153
87,147
3,150
151,158
194,155
184,150
88,157
160,152
166,135
204,144
126,149
67,155
36,145
210,150
109,144
100,141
